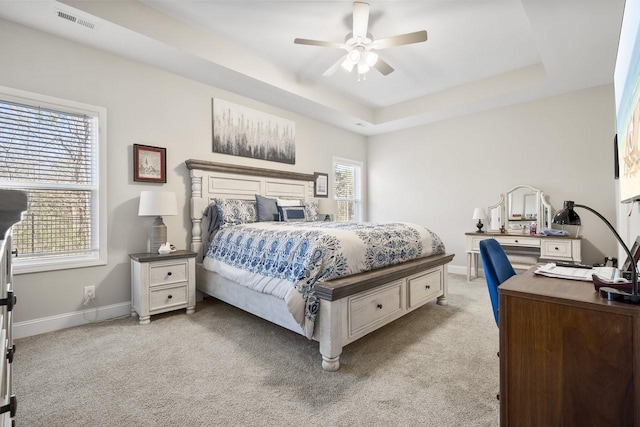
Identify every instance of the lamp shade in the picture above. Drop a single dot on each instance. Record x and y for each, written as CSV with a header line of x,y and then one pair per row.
x,y
479,213
566,215
328,206
157,203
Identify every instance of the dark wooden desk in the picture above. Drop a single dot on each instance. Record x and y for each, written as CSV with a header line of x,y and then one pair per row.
x,y
567,357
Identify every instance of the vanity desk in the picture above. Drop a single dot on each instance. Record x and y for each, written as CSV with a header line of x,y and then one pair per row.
x,y
510,219
524,249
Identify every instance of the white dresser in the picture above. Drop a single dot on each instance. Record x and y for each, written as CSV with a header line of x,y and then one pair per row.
x,y
551,248
13,204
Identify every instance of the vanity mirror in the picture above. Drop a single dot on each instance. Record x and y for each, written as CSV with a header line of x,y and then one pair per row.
x,y
522,205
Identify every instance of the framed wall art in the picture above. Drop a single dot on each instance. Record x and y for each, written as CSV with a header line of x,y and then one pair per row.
x,y
321,187
245,132
149,164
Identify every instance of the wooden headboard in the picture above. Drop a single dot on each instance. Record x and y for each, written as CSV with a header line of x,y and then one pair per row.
x,y
211,180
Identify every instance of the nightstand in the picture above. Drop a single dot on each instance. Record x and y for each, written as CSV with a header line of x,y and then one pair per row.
x,y
161,283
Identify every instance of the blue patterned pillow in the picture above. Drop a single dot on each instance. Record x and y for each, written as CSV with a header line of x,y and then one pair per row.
x,y
292,213
312,211
234,212
267,208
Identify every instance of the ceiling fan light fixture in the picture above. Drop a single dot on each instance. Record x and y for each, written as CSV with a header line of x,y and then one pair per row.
x,y
347,64
371,58
359,43
354,56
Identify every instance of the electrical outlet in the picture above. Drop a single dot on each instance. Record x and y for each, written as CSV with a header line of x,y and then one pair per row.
x,y
89,294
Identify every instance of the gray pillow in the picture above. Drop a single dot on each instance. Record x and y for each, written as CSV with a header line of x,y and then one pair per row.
x,y
267,208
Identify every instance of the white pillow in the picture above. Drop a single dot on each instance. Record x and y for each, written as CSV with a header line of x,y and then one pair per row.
x,y
288,202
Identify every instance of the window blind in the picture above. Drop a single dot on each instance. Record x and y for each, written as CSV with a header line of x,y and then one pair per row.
x,y
347,190
52,156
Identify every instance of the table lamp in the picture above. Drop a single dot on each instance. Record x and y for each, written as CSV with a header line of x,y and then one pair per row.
x,y
567,216
157,203
328,207
479,214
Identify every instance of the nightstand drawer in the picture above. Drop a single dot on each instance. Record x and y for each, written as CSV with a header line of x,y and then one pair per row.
x,y
168,272
168,296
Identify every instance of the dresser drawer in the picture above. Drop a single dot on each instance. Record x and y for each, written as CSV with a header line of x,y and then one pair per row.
x,y
366,311
167,297
424,287
556,249
168,272
531,242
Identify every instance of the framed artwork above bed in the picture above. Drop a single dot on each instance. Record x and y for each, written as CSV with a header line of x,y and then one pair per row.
x,y
245,132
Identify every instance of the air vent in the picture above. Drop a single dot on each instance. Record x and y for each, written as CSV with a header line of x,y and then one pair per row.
x,y
66,16
87,24
71,18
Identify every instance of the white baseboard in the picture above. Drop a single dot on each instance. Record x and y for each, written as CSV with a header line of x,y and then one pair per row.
x,y
457,269
67,320
461,269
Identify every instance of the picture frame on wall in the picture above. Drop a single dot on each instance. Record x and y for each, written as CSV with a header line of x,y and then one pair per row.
x,y
149,164
321,187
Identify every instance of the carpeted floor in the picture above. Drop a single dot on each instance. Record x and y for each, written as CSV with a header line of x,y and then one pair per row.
x,y
436,366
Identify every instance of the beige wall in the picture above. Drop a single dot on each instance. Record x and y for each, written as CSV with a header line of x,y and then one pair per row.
x,y
436,174
144,106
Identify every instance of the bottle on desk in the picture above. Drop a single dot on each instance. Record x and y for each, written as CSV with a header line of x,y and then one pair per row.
x,y
532,229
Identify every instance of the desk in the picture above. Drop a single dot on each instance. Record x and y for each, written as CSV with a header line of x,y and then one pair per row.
x,y
552,248
567,357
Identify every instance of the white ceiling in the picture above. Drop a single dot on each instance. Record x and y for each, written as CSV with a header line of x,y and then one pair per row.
x,y
480,54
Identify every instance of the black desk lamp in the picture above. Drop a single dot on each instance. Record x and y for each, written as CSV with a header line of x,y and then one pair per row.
x,y
567,216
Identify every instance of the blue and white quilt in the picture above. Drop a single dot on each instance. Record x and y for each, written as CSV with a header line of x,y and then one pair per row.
x,y
287,259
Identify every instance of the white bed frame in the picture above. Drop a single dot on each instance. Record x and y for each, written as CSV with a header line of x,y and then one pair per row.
x,y
350,307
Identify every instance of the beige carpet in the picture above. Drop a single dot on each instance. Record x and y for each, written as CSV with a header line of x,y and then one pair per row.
x,y
223,367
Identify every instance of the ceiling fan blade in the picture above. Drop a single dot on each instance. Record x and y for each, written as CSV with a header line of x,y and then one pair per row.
x,y
360,19
409,38
331,71
383,67
319,43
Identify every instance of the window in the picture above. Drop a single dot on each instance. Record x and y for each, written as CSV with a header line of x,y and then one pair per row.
x,y
347,179
55,151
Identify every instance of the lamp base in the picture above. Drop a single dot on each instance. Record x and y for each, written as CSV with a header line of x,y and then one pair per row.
x,y
158,235
620,296
479,225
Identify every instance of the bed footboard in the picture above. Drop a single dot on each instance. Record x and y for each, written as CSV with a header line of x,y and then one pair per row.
x,y
355,306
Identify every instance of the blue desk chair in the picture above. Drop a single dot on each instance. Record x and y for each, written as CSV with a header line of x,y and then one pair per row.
x,y
497,269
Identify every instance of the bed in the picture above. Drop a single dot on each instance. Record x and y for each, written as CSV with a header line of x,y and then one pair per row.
x,y
349,307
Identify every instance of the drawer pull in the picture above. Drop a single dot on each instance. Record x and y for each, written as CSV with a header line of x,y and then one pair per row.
x,y
516,240
14,252
557,249
169,273
379,305
169,296
428,287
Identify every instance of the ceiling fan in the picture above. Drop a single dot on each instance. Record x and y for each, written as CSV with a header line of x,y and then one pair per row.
x,y
360,45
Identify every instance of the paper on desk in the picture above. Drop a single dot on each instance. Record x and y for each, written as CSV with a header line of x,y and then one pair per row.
x,y
605,273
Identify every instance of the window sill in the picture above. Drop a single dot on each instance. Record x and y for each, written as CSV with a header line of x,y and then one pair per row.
x,y
38,266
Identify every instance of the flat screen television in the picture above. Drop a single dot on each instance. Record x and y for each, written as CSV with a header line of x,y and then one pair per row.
x,y
626,83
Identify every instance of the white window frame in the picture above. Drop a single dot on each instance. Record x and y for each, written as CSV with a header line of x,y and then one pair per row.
x,y
99,215
357,200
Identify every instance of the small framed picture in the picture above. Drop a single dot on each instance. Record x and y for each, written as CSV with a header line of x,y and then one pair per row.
x,y
321,189
149,164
